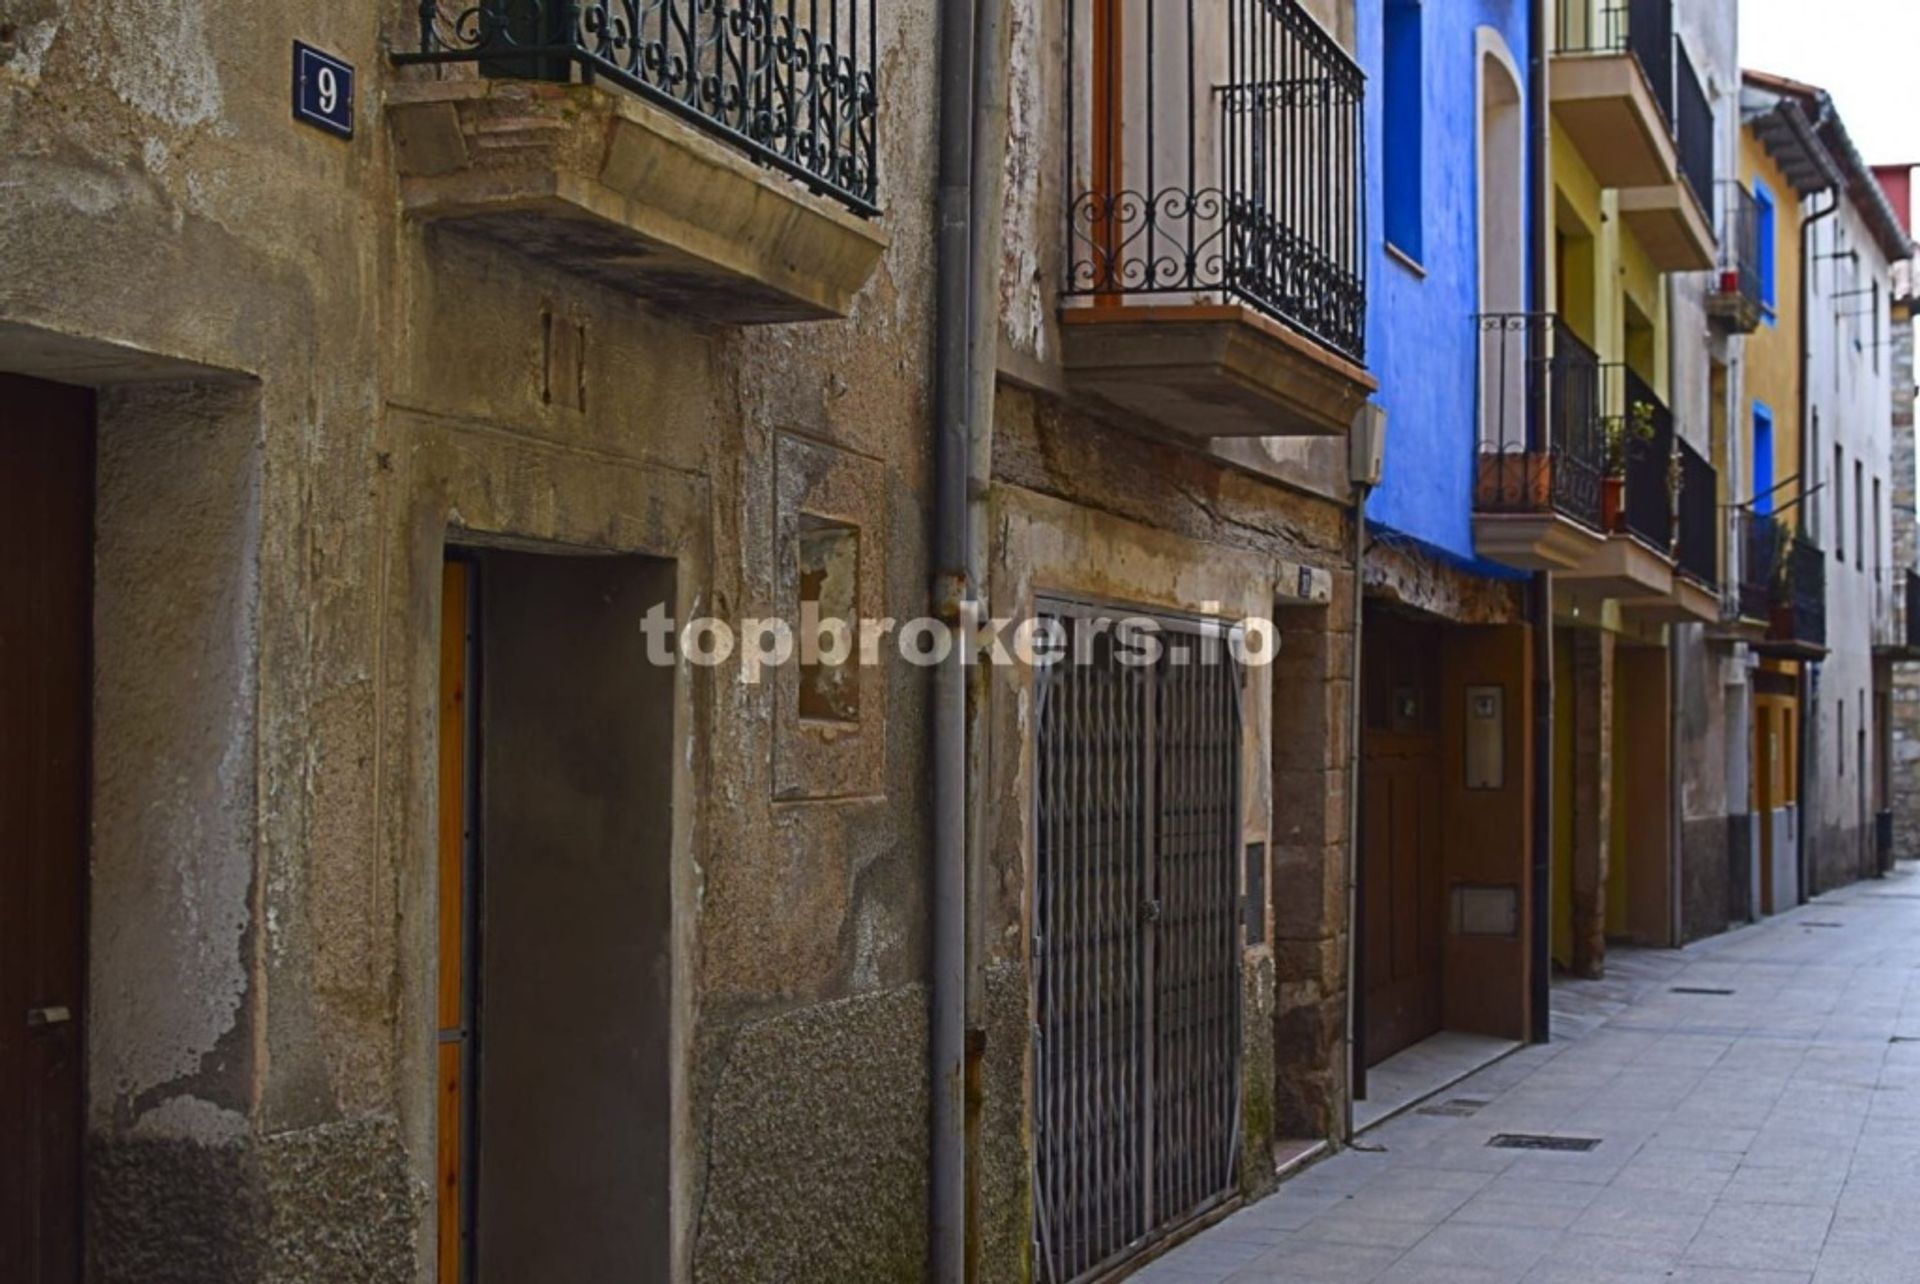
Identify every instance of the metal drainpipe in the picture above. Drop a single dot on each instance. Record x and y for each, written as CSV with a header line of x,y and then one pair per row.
x,y
1353,801
1676,803
947,879
1807,742
1540,605
992,33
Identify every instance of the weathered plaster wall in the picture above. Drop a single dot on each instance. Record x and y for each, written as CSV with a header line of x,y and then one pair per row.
x,y
263,1097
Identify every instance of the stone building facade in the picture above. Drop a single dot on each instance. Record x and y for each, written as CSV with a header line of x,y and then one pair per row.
x,y
317,364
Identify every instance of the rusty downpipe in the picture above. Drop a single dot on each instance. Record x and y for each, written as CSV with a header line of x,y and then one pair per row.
x,y
991,130
950,593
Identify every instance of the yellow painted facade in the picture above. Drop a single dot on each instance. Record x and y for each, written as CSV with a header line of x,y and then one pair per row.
x,y
1772,351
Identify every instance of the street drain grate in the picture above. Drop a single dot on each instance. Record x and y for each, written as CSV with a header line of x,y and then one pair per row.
x,y
1457,1108
1539,1141
1696,989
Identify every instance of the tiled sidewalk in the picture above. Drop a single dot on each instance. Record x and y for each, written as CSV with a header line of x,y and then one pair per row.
x,y
1767,1135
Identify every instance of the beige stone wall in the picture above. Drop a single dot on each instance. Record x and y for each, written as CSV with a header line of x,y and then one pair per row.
x,y
309,397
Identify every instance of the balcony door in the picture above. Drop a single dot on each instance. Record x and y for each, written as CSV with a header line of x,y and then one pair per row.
x,y
46,530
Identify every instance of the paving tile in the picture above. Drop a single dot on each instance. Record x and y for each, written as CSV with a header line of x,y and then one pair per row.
x,y
1485,1210
1510,1250
1345,1226
1769,1138
1761,1237
1314,1262
1758,1185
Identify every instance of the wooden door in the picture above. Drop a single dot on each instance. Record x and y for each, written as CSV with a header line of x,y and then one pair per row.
x,y
1401,906
1765,799
46,594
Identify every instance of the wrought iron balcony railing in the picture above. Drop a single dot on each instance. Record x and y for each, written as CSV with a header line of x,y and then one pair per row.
x,y
1697,553
1693,128
1651,469
791,83
1542,446
1216,149
1763,540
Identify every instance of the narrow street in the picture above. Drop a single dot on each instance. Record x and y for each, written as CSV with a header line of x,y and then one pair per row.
x,y
1756,1102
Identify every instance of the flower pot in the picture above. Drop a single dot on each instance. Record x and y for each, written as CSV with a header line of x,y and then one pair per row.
x,y
1613,503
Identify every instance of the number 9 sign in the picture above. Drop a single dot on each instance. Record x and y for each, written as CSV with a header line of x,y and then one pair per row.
x,y
322,90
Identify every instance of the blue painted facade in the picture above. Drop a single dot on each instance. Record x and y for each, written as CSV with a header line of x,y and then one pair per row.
x,y
1421,339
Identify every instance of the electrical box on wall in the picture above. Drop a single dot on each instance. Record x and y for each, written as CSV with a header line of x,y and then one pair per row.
x,y
1486,738
1367,445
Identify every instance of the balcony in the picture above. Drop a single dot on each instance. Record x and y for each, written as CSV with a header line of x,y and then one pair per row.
x,y
1537,491
1797,603
1734,305
1669,218
1635,565
1898,637
1216,221
712,155
1694,595
1612,87
1626,94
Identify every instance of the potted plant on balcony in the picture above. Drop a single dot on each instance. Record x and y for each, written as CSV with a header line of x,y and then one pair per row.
x,y
1621,432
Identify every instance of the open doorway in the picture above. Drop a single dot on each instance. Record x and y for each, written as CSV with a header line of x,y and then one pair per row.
x,y
46,611
1444,855
555,941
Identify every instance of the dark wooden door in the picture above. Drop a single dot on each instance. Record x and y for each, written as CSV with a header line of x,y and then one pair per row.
x,y
46,519
1401,891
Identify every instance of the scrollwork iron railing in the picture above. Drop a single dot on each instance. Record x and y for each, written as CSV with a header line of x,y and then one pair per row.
x,y
790,82
1216,147
1542,447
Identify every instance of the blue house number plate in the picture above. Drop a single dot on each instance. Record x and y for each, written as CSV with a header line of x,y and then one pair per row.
x,y
322,90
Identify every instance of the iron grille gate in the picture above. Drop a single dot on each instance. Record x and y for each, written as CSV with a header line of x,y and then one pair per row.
x,y
1136,947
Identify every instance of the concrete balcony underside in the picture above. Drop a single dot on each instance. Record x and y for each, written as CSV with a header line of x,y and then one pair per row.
x,y
613,188
1623,569
1604,104
1734,311
1685,603
1667,221
1207,370
1544,541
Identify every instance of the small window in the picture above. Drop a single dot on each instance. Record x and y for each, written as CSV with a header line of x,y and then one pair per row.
x,y
1762,459
1403,81
1839,504
1859,515
1765,233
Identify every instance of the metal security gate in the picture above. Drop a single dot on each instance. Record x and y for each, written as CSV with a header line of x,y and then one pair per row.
x,y
1136,947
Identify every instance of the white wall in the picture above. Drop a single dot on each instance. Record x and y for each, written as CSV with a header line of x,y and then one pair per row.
x,y
1849,387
